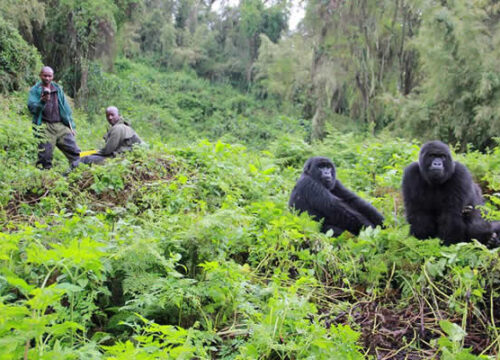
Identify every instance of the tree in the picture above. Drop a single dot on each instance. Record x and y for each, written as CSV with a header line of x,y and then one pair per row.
x,y
459,98
19,62
360,54
283,69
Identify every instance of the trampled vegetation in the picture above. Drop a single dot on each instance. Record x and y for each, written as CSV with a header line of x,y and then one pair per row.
x,y
191,252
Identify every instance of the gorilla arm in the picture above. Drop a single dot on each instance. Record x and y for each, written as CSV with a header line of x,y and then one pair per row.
x,y
484,231
311,196
459,192
354,201
418,210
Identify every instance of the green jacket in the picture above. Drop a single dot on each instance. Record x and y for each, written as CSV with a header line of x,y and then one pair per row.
x,y
119,138
36,107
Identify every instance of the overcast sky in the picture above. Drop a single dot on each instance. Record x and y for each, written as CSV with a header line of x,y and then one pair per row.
x,y
296,12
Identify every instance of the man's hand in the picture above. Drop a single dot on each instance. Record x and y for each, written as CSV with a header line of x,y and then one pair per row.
x,y
45,95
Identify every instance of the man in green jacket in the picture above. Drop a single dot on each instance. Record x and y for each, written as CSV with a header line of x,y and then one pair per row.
x,y
120,138
52,121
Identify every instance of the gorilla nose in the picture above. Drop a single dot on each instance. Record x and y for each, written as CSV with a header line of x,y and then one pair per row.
x,y
437,164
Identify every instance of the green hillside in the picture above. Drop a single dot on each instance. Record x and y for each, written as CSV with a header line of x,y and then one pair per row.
x,y
179,108
186,248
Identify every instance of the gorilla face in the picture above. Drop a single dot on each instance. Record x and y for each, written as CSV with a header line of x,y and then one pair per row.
x,y
321,169
435,162
327,176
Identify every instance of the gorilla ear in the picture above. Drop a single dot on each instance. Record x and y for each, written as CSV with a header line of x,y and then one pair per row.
x,y
452,166
308,165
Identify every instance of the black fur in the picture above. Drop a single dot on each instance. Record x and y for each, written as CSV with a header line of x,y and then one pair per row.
x,y
440,199
325,198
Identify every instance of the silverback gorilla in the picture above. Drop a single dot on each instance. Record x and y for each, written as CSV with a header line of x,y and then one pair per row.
x,y
440,199
320,194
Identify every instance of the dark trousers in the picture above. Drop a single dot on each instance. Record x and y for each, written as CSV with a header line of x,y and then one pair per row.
x,y
89,159
55,135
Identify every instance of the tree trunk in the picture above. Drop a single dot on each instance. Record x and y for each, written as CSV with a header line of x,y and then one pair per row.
x,y
83,92
318,121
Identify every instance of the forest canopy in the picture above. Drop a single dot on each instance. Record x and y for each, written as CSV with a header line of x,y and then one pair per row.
x,y
420,69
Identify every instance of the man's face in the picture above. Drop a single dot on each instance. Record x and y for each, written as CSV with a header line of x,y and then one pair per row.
x,y
112,116
46,77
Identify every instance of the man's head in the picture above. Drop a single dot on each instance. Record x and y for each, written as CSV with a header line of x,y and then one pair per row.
x,y
46,75
112,115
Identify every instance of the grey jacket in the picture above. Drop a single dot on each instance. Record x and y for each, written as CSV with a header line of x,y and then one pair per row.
x,y
118,139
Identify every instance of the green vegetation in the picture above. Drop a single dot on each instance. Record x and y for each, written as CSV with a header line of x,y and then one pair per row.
x,y
186,248
19,62
419,69
178,107
189,251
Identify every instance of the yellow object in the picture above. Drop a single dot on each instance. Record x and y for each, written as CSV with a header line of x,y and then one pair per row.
x,y
88,152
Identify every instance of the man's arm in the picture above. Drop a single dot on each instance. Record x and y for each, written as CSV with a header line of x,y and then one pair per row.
x,y
65,110
35,105
113,140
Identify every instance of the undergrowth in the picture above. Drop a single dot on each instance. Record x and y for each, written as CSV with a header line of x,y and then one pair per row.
x,y
190,252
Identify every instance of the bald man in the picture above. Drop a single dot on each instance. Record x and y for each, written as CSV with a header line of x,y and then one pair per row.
x,y
53,123
120,138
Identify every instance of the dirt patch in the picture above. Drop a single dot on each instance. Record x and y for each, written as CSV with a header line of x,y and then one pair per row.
x,y
391,332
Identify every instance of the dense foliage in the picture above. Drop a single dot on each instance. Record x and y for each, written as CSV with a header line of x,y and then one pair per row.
x,y
190,251
185,248
19,62
178,107
421,69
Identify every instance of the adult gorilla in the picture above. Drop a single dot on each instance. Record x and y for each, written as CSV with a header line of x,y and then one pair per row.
x,y
322,196
440,199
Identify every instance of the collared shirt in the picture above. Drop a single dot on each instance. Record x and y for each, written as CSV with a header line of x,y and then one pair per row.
x,y
51,111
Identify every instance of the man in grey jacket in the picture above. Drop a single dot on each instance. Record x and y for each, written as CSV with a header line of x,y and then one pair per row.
x,y
120,138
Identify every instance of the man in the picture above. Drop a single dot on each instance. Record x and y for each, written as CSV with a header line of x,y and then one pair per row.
x,y
52,120
120,138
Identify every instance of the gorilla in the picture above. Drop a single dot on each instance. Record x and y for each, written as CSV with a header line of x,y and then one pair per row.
x,y
322,196
440,199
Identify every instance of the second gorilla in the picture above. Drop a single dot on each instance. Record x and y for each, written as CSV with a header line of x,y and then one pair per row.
x,y
322,196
